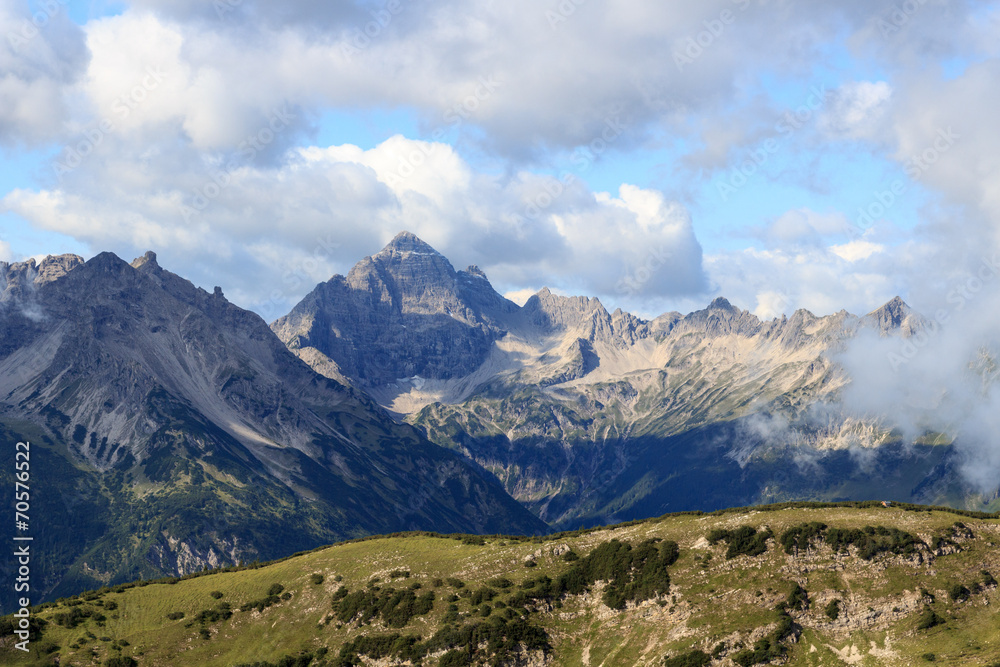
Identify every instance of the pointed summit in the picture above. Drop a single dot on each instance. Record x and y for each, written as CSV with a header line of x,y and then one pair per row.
x,y
720,318
402,312
475,272
408,242
895,314
894,305
721,303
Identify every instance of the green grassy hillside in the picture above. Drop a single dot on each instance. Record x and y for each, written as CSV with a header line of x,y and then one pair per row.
x,y
805,585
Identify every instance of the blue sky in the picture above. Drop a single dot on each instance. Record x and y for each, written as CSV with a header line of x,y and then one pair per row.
x,y
265,147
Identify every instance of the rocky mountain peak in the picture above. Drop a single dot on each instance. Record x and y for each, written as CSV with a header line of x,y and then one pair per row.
x,y
148,260
409,272
407,242
721,303
136,372
549,310
20,280
895,314
476,272
894,309
400,313
54,267
722,318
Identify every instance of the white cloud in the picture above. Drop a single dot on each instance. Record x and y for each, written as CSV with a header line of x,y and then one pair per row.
x,y
521,296
805,226
41,57
941,380
544,86
857,250
274,231
782,280
856,110
771,304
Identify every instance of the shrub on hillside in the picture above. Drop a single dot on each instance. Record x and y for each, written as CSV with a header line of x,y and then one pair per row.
x,y
958,593
800,538
798,598
395,607
929,619
871,541
692,659
743,541
121,661
633,574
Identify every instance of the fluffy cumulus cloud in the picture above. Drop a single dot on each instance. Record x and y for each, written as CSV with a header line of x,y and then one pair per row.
x,y
187,127
945,139
42,55
770,282
322,209
545,84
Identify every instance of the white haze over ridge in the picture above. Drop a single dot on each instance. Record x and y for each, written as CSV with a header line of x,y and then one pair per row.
x,y
944,379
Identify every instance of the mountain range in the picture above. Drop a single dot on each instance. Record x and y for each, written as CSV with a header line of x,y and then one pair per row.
x,y
589,416
173,431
